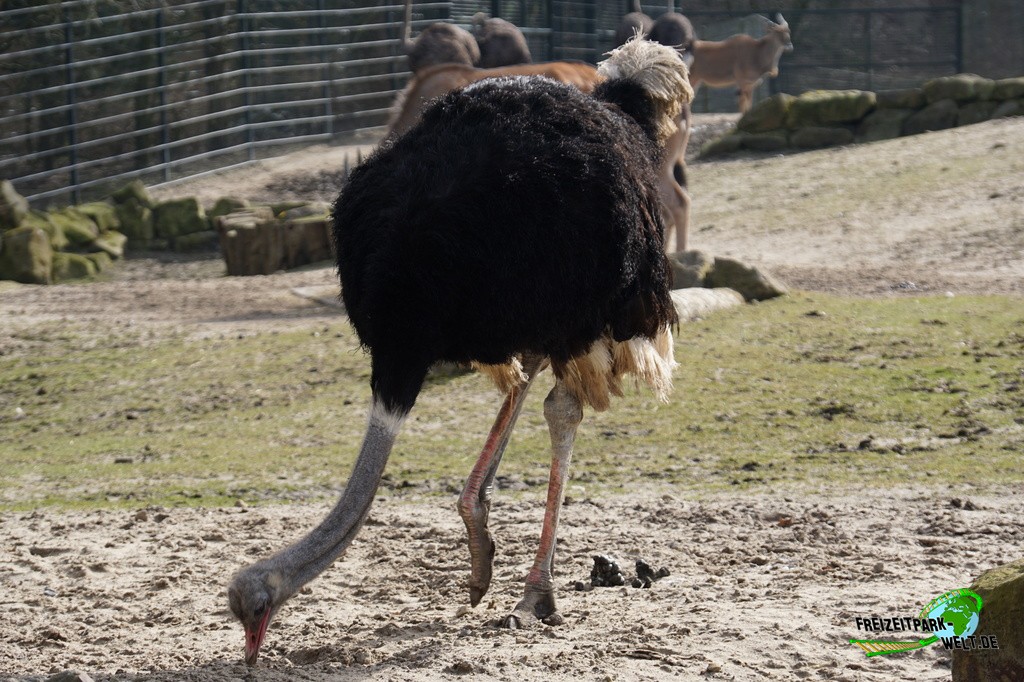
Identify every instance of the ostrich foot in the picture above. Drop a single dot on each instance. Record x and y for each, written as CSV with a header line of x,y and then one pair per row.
x,y
536,605
481,551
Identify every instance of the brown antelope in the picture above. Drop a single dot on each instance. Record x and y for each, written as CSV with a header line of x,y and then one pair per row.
x,y
740,59
438,43
434,82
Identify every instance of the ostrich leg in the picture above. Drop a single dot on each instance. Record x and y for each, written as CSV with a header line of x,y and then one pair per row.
x,y
475,500
563,412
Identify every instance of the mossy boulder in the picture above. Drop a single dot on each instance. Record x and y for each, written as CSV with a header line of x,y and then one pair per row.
x,y
963,87
177,217
1008,88
975,112
101,213
823,107
314,209
1011,107
768,114
726,144
26,256
225,205
133,191
883,124
280,208
101,259
750,282
13,206
58,241
136,221
68,266
690,268
1002,594
771,141
907,98
817,137
936,116
112,242
77,226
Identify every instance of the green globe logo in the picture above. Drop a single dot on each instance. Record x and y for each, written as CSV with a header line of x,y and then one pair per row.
x,y
959,610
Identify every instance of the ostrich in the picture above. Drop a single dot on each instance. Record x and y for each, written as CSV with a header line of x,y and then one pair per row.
x,y
500,42
675,30
631,23
438,43
516,226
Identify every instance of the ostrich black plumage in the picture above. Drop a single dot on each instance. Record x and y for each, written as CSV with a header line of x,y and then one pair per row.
x,y
516,226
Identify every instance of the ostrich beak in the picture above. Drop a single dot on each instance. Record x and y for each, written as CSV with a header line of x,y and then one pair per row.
x,y
254,639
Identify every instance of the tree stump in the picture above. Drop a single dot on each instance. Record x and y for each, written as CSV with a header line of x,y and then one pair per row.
x,y
253,242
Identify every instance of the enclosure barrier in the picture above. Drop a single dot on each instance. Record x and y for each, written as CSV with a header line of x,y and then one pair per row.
x,y
96,92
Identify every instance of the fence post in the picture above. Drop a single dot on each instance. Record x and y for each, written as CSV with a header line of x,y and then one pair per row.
x,y
161,63
959,28
246,79
328,67
868,57
72,119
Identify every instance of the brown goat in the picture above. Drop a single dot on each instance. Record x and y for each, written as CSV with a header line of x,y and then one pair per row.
x,y
740,59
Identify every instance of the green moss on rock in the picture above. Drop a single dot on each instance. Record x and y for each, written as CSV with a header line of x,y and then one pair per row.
x,y
883,124
77,226
908,98
225,205
26,256
1012,107
771,141
768,114
726,144
197,241
750,282
1008,88
690,268
112,242
134,190
177,217
58,241
963,87
101,213
136,222
101,259
823,107
817,137
13,206
975,112
936,116
1002,593
69,266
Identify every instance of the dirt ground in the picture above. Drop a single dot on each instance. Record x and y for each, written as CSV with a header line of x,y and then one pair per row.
x,y
760,587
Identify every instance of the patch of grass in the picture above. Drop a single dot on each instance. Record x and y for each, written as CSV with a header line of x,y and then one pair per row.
x,y
809,390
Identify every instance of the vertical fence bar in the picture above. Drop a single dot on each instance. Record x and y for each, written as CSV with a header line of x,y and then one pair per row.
x,y
869,61
243,27
958,23
161,76
327,68
72,118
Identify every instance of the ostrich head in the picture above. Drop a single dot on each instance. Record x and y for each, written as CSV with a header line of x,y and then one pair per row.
x,y
659,71
254,597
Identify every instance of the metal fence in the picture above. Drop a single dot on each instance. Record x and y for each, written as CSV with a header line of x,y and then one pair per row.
x,y
96,92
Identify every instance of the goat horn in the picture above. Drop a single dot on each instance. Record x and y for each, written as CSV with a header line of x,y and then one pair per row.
x,y
779,20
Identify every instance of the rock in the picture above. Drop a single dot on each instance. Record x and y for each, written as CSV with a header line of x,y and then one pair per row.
x,y
936,116
748,281
695,303
101,213
883,124
79,228
177,217
975,112
816,137
963,87
101,259
68,266
726,144
134,190
112,242
689,268
26,256
1002,594
768,114
69,676
314,209
822,107
909,98
58,240
13,206
136,221
197,241
771,141
1008,88
225,205
1012,107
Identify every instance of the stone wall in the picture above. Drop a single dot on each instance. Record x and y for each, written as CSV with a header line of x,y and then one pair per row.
x,y
827,118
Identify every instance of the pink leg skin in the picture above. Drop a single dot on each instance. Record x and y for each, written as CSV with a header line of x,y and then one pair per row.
x,y
563,412
475,501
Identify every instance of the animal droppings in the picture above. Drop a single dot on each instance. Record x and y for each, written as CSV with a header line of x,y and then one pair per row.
x,y
606,572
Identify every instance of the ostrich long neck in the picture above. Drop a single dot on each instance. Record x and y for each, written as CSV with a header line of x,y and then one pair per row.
x,y
310,556
407,34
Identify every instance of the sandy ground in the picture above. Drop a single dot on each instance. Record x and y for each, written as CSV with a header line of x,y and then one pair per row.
x,y
760,587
